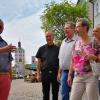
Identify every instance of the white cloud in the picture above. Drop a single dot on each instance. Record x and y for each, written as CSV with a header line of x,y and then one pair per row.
x,y
18,8
15,9
28,31
22,22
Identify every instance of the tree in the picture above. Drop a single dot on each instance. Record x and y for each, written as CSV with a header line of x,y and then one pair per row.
x,y
56,14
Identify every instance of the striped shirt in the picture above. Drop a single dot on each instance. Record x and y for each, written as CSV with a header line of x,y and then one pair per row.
x,y
66,52
5,58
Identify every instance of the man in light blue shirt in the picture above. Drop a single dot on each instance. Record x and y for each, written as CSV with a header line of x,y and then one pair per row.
x,y
65,58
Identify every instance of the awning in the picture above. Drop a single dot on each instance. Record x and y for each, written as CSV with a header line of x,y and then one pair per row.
x,y
32,67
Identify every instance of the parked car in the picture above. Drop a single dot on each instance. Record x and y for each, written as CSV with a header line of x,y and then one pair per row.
x,y
31,78
20,76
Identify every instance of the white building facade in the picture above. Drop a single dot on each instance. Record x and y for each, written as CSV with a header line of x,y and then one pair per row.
x,y
96,12
20,60
93,11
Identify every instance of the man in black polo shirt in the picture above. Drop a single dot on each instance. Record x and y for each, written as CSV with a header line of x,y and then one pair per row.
x,y
48,65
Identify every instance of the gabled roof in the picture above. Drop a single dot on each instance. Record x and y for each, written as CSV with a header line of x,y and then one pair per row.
x,y
31,67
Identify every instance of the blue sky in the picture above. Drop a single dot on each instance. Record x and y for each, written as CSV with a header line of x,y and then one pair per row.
x,y
22,22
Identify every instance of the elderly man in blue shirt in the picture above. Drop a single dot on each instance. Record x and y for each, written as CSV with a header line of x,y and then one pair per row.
x,y
65,58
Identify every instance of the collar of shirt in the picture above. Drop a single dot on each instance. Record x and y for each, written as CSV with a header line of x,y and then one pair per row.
x,y
1,39
49,46
70,40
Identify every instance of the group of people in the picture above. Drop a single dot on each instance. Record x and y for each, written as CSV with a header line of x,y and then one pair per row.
x,y
69,65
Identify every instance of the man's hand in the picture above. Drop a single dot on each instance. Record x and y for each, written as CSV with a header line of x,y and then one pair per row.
x,y
10,48
38,77
58,76
69,80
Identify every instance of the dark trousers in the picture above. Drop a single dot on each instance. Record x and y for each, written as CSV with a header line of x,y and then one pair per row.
x,y
50,79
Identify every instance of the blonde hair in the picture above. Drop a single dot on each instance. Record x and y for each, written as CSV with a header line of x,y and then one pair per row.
x,y
84,22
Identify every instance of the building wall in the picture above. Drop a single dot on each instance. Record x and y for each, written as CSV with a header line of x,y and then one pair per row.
x,y
20,55
32,59
90,11
97,12
20,68
90,8
20,61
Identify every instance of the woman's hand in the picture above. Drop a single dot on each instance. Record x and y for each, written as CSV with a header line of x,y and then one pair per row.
x,y
91,57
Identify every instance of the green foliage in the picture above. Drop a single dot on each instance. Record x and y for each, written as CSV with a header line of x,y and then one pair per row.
x,y
56,14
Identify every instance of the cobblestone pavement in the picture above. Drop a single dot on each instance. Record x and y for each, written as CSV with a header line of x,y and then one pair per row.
x,y
21,90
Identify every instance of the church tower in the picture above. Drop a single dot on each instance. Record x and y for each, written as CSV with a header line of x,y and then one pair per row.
x,y
19,60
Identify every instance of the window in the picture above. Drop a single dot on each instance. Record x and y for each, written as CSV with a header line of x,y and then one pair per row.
x,y
97,8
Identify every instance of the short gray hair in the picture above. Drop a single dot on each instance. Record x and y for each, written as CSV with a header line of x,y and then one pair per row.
x,y
72,24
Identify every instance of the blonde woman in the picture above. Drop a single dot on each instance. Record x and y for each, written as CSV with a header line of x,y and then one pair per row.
x,y
84,81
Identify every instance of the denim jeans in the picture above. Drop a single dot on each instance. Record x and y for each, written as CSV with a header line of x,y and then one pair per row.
x,y
65,88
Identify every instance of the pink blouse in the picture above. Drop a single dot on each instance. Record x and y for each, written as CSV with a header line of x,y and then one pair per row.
x,y
79,57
